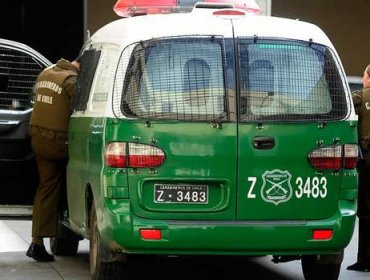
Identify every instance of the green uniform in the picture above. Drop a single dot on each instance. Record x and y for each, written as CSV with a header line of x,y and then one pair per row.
x,y
53,91
361,101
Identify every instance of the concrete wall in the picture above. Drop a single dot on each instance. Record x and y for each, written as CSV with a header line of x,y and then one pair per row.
x,y
99,13
347,24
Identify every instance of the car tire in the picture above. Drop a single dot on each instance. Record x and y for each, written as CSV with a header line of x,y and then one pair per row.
x,y
102,265
326,267
66,242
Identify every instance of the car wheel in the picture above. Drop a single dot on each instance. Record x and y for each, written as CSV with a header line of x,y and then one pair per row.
x,y
102,265
66,242
326,267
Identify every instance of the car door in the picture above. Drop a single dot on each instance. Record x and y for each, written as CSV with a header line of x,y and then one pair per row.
x,y
184,96
19,68
293,112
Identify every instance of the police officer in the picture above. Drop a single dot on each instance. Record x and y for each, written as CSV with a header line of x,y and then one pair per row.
x,y
361,100
53,90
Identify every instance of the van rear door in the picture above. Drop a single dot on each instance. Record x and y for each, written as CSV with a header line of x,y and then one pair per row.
x,y
292,102
175,98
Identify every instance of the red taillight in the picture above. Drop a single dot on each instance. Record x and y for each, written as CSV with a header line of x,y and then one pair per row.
x,y
134,155
334,157
115,154
322,234
152,234
144,156
350,156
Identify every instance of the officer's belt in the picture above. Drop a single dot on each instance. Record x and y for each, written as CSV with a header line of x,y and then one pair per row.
x,y
47,134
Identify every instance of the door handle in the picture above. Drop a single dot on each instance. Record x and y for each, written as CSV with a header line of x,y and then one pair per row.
x,y
263,142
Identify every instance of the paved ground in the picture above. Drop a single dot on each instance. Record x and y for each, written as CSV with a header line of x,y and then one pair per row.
x,y
15,239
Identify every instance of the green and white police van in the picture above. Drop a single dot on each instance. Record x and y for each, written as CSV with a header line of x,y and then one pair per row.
x,y
210,132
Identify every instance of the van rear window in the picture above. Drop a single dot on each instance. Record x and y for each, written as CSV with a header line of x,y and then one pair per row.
x,y
175,78
183,78
282,80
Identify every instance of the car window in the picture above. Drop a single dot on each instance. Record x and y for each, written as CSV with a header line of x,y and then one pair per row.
x,y
18,72
176,78
284,80
88,63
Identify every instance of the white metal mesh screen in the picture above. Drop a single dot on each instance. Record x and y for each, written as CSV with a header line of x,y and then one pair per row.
x,y
175,78
289,81
184,79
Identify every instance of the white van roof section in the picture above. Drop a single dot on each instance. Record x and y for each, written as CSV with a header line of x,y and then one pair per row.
x,y
128,30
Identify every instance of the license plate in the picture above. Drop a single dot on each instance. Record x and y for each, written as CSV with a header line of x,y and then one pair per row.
x,y
167,193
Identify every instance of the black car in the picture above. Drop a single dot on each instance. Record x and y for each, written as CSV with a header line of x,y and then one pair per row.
x,y
19,68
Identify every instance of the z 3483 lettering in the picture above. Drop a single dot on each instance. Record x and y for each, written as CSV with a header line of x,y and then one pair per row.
x,y
310,187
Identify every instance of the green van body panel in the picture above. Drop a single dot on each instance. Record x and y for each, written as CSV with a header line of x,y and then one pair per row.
x,y
235,238
313,195
236,219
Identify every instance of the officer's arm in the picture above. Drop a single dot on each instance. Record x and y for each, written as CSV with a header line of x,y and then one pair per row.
x,y
70,86
357,100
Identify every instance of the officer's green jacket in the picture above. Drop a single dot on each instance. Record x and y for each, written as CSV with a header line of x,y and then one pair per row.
x,y
53,91
361,101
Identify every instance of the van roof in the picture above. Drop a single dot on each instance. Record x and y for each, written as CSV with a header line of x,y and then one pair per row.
x,y
128,30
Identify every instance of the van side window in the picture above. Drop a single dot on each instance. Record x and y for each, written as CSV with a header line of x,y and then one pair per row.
x,y
283,80
88,64
103,81
176,78
18,73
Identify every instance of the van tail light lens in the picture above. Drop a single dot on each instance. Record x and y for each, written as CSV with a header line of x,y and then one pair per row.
x,y
151,234
133,155
322,234
334,157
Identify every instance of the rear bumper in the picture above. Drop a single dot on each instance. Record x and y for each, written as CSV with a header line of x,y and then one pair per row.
x,y
121,230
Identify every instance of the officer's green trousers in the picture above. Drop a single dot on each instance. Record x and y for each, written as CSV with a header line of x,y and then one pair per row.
x,y
51,158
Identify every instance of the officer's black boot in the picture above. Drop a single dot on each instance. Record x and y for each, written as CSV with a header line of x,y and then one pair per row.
x,y
358,266
38,253
363,256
